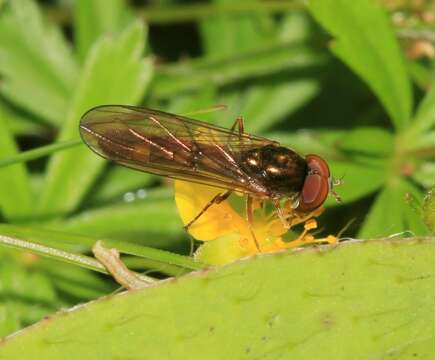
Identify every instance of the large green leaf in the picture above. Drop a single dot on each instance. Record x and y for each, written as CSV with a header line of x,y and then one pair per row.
x,y
94,18
38,71
363,300
71,173
15,193
365,41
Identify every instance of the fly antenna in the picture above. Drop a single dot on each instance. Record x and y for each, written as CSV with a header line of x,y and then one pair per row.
x,y
333,183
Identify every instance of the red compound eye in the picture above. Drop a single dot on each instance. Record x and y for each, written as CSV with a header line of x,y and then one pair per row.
x,y
316,185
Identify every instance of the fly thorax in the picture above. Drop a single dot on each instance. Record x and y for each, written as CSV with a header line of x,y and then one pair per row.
x,y
279,169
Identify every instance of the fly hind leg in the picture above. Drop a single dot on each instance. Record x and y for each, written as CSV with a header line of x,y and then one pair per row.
x,y
216,200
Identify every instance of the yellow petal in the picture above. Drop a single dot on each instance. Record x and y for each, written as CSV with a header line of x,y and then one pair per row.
x,y
218,220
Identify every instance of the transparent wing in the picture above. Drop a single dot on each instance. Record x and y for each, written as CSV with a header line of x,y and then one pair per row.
x,y
170,145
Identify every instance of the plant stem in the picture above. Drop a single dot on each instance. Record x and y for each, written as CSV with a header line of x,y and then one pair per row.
x,y
39,152
72,258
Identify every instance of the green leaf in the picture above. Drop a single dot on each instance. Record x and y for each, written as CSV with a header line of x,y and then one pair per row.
x,y
73,281
38,71
372,141
425,174
397,209
267,103
355,180
94,18
272,58
149,221
309,141
15,191
425,116
221,35
115,72
19,123
365,41
25,296
368,299
116,182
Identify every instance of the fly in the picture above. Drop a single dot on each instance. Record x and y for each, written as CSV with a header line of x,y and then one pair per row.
x,y
181,148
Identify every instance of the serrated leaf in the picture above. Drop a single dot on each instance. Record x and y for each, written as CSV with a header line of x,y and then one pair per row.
x,y
368,299
15,191
365,41
115,72
94,18
37,68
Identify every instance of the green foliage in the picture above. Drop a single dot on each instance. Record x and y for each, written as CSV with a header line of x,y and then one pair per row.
x,y
15,195
331,78
365,41
317,307
36,63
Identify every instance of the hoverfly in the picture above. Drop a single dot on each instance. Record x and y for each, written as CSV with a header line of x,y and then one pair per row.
x,y
181,148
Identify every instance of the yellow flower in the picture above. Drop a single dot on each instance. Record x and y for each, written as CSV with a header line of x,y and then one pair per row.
x,y
225,231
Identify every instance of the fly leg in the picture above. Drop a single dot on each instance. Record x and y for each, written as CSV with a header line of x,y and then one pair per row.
x,y
216,200
239,125
281,213
249,218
